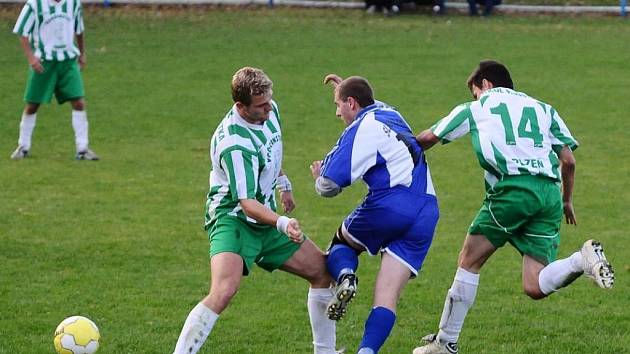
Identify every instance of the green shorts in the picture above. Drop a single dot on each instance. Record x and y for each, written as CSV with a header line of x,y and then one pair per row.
x,y
263,245
525,211
63,78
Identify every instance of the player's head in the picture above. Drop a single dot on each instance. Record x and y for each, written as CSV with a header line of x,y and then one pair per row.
x,y
252,92
351,95
489,74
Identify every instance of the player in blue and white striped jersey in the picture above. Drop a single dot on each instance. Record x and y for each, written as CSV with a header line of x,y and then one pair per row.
x,y
399,213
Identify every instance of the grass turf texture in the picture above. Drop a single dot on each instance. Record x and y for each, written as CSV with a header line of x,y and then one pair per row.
x,y
120,240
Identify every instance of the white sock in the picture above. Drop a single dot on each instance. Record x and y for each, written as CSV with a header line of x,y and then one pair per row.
x,y
460,298
558,274
80,125
27,125
324,337
196,329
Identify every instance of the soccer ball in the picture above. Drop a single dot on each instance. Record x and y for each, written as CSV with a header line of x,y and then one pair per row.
x,y
76,335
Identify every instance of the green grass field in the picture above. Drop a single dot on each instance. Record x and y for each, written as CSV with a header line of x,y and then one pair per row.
x,y
121,240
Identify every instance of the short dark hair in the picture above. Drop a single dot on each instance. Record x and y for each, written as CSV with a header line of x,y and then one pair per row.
x,y
492,71
248,82
358,88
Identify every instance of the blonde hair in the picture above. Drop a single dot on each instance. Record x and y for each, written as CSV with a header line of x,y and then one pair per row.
x,y
248,82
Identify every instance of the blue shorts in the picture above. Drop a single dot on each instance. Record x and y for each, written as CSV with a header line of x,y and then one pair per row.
x,y
395,221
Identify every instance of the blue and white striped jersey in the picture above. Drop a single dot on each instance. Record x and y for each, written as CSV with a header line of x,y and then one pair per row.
x,y
380,148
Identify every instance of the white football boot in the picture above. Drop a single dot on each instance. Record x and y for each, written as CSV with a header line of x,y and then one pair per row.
x,y
595,264
19,153
434,346
87,155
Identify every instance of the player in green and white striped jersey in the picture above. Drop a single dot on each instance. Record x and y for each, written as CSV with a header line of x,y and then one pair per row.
x,y
246,161
47,29
526,150
241,219
512,134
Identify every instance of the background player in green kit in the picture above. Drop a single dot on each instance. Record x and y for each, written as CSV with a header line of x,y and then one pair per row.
x,y
241,219
47,29
525,149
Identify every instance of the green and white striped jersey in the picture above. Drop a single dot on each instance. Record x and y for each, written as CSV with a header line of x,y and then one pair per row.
x,y
50,26
246,161
512,134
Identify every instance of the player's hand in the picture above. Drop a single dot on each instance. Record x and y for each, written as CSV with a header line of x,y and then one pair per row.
x,y
316,169
288,203
82,61
569,213
333,79
294,232
36,64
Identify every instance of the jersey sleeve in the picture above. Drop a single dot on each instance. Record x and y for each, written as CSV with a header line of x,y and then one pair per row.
x,y
25,22
455,125
560,134
241,168
276,111
344,164
79,27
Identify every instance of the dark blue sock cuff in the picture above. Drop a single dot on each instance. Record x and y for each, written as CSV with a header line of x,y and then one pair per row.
x,y
340,257
377,328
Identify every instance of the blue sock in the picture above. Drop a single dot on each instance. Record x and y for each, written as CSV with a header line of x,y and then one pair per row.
x,y
377,328
341,257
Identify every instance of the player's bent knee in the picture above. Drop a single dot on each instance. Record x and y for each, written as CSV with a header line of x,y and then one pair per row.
x,y
31,108
339,239
319,277
223,293
78,105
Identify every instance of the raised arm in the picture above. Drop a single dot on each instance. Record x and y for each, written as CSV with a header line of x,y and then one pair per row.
x,y
567,161
333,79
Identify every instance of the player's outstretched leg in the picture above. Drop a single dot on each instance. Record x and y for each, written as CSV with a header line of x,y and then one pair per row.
x,y
596,265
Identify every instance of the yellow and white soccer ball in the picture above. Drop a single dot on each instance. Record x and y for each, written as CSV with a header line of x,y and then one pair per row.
x,y
76,335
